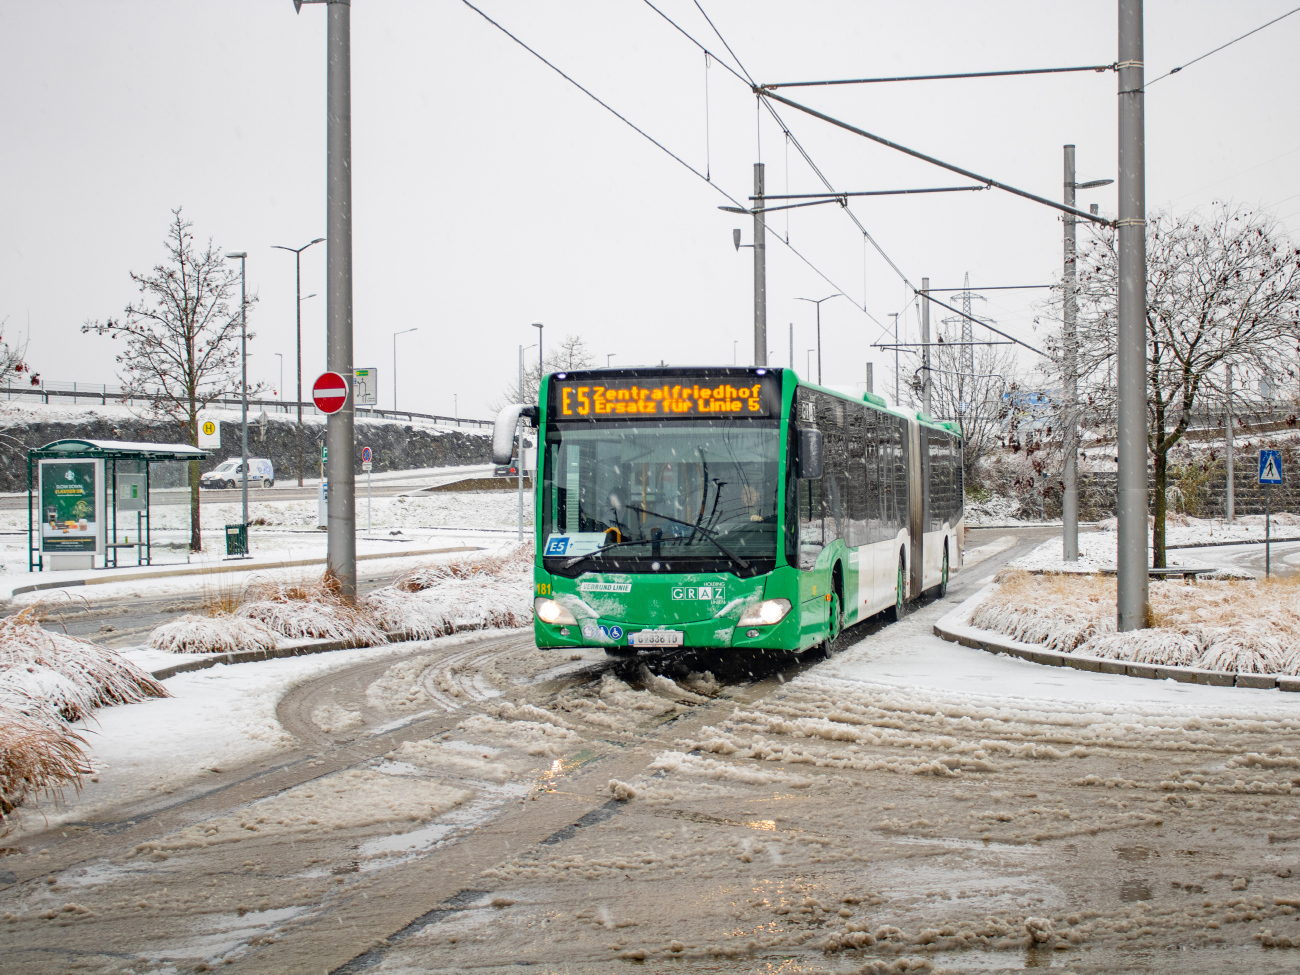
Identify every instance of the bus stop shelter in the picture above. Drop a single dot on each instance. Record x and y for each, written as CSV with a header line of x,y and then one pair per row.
x,y
80,493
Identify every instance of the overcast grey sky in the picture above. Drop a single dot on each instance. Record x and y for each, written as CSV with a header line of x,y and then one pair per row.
x,y
490,193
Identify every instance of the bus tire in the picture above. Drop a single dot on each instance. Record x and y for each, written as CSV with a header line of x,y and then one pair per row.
x,y
900,595
943,579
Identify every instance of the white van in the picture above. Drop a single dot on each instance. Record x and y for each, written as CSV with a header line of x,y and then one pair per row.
x,y
230,474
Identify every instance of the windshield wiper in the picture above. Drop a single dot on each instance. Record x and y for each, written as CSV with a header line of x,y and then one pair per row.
x,y
708,533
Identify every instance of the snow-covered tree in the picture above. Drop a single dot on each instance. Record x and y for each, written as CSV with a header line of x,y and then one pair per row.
x,y
1222,289
181,339
571,353
978,399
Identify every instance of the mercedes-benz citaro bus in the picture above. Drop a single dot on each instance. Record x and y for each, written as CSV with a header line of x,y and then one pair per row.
x,y
731,508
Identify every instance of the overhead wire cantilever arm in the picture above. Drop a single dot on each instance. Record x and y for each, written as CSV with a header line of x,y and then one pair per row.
x,y
1081,214
938,77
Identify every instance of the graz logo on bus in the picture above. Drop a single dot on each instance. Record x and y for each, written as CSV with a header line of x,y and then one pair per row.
x,y
590,631
676,400
697,592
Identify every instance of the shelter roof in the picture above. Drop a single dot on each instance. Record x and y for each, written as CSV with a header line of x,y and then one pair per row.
x,y
119,450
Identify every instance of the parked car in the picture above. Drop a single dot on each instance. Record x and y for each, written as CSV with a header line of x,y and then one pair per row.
x,y
229,474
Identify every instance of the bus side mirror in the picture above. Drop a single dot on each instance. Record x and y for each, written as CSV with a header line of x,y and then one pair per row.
x,y
809,460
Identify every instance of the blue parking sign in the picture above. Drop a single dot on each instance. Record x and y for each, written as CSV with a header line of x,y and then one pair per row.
x,y
1270,467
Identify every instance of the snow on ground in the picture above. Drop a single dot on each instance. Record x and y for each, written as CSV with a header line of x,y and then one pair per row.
x,y
1097,549
214,719
1240,626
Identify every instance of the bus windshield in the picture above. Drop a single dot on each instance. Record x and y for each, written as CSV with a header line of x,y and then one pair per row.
x,y
701,495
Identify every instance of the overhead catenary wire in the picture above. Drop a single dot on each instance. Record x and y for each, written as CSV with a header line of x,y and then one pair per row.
x,y
1082,214
1098,68
866,235
659,145
1173,71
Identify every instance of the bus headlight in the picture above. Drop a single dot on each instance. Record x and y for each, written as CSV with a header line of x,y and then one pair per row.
x,y
549,611
766,613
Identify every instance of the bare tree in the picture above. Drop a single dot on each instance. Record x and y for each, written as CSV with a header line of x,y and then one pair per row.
x,y
1221,290
181,340
572,353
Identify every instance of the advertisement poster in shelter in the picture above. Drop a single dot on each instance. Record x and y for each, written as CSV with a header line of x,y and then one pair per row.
x,y
70,505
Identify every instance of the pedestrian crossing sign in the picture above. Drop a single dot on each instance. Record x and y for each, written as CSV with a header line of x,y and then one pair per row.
x,y
1270,467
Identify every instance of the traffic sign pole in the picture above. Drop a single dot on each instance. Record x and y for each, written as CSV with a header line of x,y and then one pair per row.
x,y
1270,473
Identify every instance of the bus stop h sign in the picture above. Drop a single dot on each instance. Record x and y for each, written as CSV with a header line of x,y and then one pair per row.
x,y
330,392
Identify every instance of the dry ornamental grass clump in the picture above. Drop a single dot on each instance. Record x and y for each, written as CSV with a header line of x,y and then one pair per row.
x,y
212,634
445,597
1241,626
48,680
488,566
310,611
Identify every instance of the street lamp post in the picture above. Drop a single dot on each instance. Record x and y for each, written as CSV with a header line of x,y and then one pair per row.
x,y
297,262
539,326
818,303
243,381
1070,372
807,361
395,334
608,356
280,388
519,459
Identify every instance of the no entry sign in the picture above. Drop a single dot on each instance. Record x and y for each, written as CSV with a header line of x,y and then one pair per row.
x,y
329,392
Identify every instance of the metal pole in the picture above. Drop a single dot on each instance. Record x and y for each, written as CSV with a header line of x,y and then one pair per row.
x,y
394,375
760,271
792,345
367,502
925,344
819,343
1268,530
1132,597
1231,500
894,315
297,260
870,384
1069,379
342,556
243,382
519,453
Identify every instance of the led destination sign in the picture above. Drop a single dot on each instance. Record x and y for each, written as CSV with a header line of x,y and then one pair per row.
x,y
612,399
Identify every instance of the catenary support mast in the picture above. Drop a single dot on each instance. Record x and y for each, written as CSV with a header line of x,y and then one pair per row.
x,y
1131,561
342,556
1069,380
760,271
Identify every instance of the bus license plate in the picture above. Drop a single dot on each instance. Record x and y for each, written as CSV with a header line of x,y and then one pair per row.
x,y
655,638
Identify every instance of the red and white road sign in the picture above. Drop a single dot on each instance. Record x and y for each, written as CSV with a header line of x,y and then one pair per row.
x,y
330,392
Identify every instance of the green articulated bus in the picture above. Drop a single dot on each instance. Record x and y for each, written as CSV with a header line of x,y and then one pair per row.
x,y
738,508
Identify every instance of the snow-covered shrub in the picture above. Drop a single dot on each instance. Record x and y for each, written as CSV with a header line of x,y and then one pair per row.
x,y
1243,650
489,566
443,597
1056,611
38,754
211,634
47,680
68,675
1158,647
310,611
1241,626
456,604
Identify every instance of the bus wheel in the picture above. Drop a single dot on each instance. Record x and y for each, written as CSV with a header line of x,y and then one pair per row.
x,y
943,580
900,596
836,624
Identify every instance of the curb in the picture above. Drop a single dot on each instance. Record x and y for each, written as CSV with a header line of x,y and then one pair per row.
x,y
948,628
242,567
298,650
